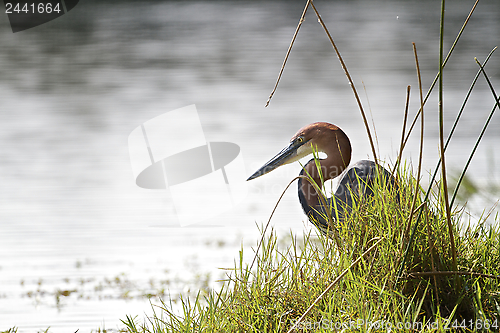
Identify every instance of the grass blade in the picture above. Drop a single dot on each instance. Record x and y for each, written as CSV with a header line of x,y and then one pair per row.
x,y
401,146
288,52
351,83
455,42
444,181
497,104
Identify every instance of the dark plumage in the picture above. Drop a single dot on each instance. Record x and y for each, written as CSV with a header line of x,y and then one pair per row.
x,y
355,182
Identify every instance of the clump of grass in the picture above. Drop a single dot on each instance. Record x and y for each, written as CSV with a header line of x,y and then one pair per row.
x,y
288,278
10,330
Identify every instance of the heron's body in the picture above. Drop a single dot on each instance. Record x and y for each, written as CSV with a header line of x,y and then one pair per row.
x,y
355,182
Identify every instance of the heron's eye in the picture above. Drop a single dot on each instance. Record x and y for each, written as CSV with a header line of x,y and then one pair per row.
x,y
300,139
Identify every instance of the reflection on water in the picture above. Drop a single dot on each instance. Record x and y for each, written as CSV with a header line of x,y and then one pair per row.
x,y
72,90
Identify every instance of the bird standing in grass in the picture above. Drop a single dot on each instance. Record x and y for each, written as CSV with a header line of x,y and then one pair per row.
x,y
355,182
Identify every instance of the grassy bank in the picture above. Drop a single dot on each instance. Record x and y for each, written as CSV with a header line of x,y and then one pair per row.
x,y
290,276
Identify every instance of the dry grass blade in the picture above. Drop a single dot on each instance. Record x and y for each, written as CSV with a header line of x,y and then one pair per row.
x,y
288,52
351,83
444,181
421,143
422,121
344,67
401,146
420,169
417,185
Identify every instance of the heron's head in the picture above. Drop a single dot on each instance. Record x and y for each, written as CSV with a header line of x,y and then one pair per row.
x,y
322,137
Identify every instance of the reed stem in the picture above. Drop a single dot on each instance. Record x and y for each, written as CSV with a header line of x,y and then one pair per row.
x,y
444,181
452,48
351,83
427,193
401,146
497,104
302,17
417,185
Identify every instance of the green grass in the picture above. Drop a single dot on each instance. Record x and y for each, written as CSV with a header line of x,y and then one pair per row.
x,y
290,275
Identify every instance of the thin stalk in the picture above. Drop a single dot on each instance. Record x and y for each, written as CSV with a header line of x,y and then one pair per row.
x,y
497,104
410,241
469,92
444,64
446,145
351,83
441,142
288,52
457,119
417,187
407,104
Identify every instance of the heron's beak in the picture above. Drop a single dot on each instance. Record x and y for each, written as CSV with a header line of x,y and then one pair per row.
x,y
287,155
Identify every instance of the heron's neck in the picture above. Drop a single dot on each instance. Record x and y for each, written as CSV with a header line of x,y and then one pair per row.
x,y
308,195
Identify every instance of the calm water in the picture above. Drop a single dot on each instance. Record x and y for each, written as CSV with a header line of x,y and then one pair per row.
x,y
72,221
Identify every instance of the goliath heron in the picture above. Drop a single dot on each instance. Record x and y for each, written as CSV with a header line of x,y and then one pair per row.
x,y
355,182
